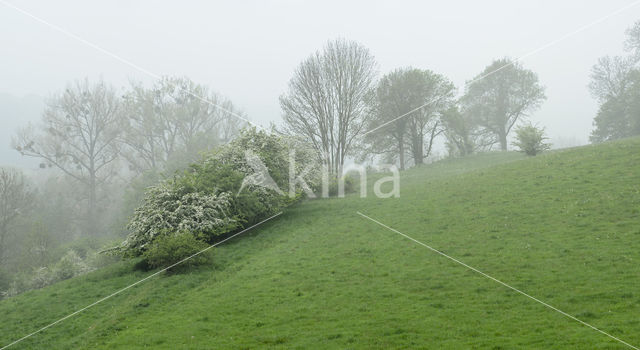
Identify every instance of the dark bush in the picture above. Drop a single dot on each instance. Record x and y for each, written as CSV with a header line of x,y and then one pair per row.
x,y
171,248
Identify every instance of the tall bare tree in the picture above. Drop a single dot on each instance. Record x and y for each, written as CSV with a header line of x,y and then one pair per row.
x,y
15,198
79,135
329,99
501,95
632,41
611,77
175,115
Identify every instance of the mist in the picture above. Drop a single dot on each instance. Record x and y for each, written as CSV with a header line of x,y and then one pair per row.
x,y
137,135
248,50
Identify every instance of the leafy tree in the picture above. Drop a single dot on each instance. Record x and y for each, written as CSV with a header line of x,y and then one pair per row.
x,y
36,246
394,97
531,140
611,122
615,82
425,123
329,99
502,94
619,117
464,136
418,95
79,135
15,199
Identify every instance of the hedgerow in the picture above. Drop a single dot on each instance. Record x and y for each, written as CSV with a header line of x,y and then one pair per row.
x,y
213,197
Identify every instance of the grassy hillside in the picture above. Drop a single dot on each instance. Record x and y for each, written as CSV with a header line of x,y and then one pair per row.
x,y
563,227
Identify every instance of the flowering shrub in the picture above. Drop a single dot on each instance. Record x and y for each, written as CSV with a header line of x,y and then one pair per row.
x,y
213,197
70,265
172,207
226,169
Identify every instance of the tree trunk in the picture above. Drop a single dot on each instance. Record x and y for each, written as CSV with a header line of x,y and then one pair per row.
x,y
503,140
418,153
91,215
3,233
401,152
434,133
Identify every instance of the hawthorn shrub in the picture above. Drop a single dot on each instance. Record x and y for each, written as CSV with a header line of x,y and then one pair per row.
x,y
531,140
70,265
226,168
172,248
213,197
172,207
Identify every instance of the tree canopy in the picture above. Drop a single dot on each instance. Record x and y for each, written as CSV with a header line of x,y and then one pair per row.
x,y
502,94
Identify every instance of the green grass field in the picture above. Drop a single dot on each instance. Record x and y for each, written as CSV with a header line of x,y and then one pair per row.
x,y
563,227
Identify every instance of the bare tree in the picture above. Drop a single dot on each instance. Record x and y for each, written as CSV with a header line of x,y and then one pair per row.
x,y
79,135
230,125
632,41
15,198
174,115
329,99
501,95
611,77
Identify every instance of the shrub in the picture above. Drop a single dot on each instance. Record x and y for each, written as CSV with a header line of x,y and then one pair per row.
x,y
41,277
5,280
213,198
226,168
172,207
334,185
70,265
97,260
172,248
531,140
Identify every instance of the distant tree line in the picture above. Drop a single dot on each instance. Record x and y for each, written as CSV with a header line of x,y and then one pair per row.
x,y
100,148
95,136
108,147
336,100
615,83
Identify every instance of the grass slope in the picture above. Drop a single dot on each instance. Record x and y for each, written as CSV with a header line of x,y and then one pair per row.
x,y
562,227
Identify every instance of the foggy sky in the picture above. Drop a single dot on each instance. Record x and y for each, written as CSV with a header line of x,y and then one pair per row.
x,y
248,50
